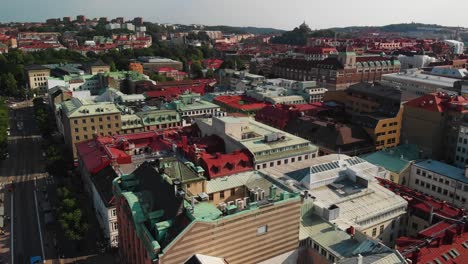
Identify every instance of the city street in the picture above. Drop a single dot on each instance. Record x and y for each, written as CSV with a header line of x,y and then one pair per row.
x,y
25,163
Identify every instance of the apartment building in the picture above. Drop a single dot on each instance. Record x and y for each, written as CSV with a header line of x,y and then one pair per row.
x,y
37,76
163,220
439,115
191,105
378,109
81,119
269,146
461,152
337,72
442,181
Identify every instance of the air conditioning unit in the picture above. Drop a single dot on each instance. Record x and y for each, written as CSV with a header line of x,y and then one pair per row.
x,y
240,205
230,203
261,194
222,207
253,195
237,202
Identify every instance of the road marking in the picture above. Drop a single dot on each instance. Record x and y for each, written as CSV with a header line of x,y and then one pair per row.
x,y
38,221
12,221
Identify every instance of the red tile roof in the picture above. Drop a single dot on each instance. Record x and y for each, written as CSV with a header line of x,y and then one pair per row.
x,y
98,153
240,102
280,115
423,202
443,241
439,102
219,165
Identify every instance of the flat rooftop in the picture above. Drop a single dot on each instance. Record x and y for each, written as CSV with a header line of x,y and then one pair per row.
x,y
256,143
443,169
205,210
421,78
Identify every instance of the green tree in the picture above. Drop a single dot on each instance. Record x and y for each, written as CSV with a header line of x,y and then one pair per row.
x,y
9,85
210,73
196,69
112,66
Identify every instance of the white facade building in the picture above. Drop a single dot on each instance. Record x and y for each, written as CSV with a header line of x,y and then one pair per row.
x,y
344,192
129,26
461,152
415,61
112,26
457,46
418,83
269,146
440,180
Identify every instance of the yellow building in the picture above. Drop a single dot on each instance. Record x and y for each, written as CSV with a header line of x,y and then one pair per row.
x,y
96,67
82,119
378,109
37,76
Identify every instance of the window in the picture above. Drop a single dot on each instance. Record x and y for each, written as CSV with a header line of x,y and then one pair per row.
x,y
262,230
76,129
210,197
221,194
381,229
77,137
286,161
374,232
114,212
84,121
278,162
233,191
100,119
299,158
418,171
75,122
92,120
108,125
293,160
416,181
272,164
116,117
264,165
115,226
108,118
307,156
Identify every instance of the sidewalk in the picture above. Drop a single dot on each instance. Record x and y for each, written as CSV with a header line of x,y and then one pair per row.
x,y
98,259
5,243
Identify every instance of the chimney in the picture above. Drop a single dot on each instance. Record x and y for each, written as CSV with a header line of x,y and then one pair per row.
x,y
184,142
272,192
415,256
459,229
449,235
359,259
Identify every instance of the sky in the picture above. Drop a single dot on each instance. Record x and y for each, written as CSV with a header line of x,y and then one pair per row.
x,y
281,14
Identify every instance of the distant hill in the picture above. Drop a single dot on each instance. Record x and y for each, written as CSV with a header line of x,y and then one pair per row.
x,y
299,35
398,28
253,30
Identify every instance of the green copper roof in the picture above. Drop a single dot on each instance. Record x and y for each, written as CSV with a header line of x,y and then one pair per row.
x,y
394,159
158,117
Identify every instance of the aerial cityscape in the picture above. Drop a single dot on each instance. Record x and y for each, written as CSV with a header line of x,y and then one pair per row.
x,y
132,141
